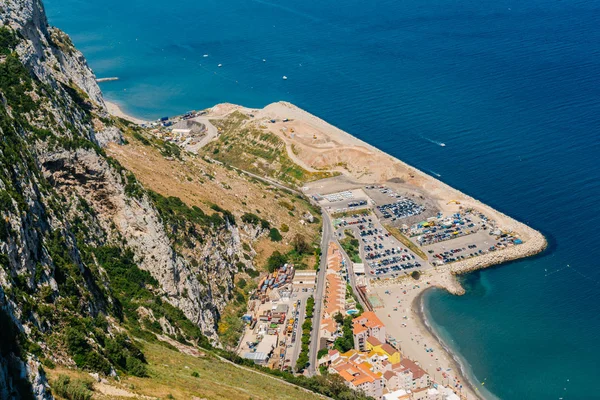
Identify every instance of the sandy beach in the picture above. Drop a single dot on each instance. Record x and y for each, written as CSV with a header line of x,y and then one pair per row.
x,y
404,323
115,110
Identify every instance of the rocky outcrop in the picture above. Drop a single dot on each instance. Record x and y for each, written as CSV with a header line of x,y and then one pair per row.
x,y
48,52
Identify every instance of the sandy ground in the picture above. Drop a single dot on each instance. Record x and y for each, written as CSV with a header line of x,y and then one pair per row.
x,y
115,110
318,145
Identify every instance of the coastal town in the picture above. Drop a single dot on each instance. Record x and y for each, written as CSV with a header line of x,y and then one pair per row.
x,y
258,251
384,250
351,338
385,241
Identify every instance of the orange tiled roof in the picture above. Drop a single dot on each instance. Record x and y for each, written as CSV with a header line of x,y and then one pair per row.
x,y
356,329
372,320
389,375
357,374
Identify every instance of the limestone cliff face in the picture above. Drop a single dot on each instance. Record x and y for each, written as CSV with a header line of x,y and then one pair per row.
x,y
61,198
47,51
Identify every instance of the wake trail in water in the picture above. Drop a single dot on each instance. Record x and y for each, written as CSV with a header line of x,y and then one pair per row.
x,y
435,173
441,144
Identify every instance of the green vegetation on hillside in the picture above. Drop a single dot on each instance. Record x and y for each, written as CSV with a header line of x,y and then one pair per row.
x,y
231,326
253,219
72,389
258,151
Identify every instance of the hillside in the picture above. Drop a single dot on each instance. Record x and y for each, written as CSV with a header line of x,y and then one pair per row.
x,y
103,252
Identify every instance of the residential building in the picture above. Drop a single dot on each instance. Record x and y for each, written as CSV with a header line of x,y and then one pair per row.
x,y
398,395
365,326
374,345
411,376
359,376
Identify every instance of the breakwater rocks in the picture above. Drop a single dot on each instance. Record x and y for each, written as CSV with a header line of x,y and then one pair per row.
x,y
535,244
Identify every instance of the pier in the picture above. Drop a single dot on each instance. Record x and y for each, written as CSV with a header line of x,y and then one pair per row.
x,y
113,78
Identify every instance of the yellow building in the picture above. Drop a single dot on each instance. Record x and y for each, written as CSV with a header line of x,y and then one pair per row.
x,y
374,346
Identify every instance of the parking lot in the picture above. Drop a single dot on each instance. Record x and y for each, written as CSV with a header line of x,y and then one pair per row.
x,y
396,207
459,236
344,201
382,254
443,238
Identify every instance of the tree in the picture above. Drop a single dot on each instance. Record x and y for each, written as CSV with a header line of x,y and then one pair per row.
x,y
339,318
275,261
416,275
346,341
300,244
322,353
274,235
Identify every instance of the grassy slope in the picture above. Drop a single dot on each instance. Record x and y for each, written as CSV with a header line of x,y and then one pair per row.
x,y
200,183
171,374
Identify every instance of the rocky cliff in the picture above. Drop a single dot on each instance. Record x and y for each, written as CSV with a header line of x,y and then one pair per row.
x,y
84,248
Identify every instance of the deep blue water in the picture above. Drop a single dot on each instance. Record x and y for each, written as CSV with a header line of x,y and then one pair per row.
x,y
512,88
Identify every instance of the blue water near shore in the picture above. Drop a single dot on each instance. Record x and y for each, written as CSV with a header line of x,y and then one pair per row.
x,y
512,89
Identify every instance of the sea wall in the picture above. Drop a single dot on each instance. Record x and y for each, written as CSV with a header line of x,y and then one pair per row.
x,y
535,244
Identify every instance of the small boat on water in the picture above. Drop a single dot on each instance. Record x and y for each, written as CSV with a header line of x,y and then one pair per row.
x,y
443,144
206,55
220,65
264,60
285,78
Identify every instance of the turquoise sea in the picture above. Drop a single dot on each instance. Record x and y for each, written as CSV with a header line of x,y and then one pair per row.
x,y
511,87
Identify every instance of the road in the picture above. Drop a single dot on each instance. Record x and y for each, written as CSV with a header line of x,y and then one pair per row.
x,y
211,134
328,235
297,345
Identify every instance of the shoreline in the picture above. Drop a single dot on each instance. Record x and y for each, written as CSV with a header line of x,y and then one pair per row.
x,y
115,109
418,306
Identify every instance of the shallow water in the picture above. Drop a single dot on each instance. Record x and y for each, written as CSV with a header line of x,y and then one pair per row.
x,y
510,88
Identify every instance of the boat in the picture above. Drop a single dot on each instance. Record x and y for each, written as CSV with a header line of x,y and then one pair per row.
x,y
284,78
206,55
443,144
264,60
220,65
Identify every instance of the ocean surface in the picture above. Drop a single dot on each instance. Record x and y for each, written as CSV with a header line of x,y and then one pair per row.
x,y
511,87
